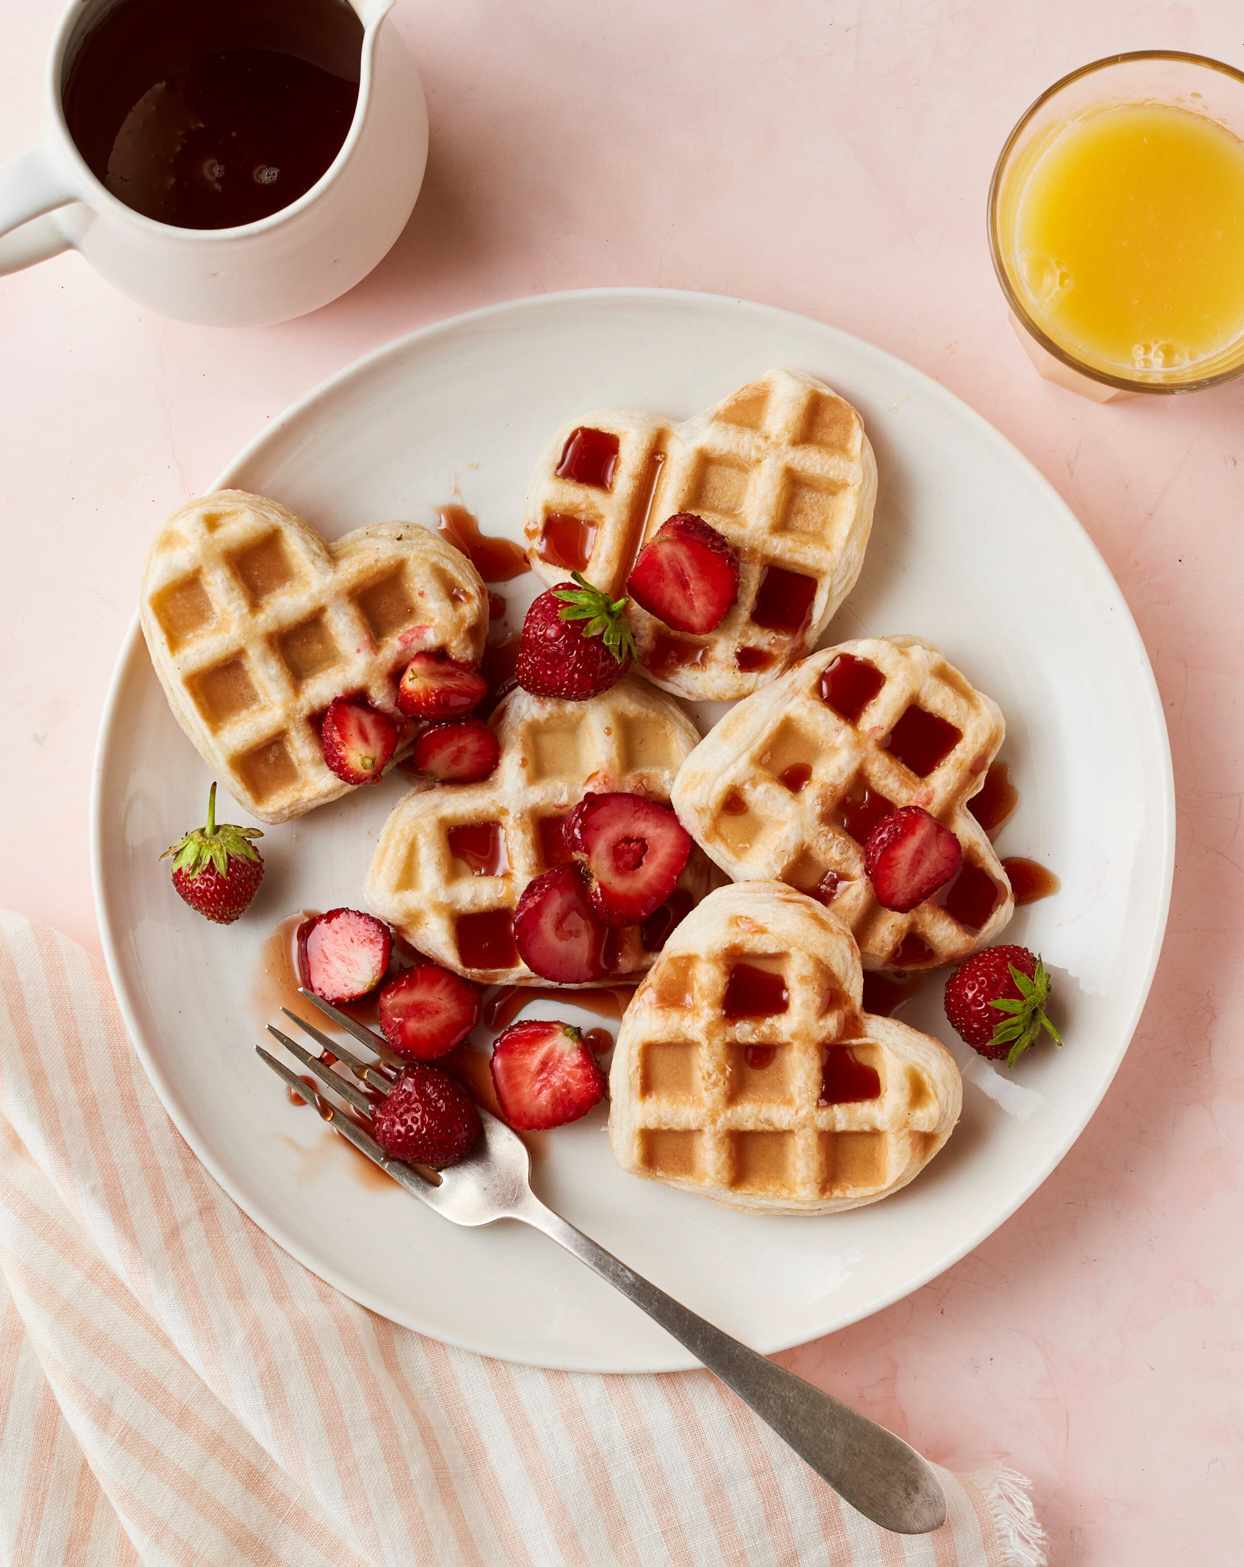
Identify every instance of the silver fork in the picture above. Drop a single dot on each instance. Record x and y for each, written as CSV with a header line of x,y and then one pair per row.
x,y
870,1467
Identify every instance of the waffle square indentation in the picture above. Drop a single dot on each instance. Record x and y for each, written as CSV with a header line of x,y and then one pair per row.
x,y
808,506
972,897
921,740
674,984
762,1161
853,1161
567,540
477,849
670,1152
747,411
669,1069
267,770
262,568
223,692
807,873
183,609
829,423
642,745
554,752
739,827
486,940
760,1074
386,604
791,746
307,649
718,486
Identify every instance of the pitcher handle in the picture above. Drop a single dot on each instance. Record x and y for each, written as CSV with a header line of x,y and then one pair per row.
x,y
31,186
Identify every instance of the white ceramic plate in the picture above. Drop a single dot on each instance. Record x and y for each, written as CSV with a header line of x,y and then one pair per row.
x,y
972,550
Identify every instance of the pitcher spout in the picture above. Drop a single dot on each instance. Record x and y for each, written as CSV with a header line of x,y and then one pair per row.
x,y
372,12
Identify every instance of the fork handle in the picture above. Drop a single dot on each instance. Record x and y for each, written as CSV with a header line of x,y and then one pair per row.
x,y
870,1467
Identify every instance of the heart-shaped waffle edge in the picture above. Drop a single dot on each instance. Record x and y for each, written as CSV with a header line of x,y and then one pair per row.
x,y
630,737
254,623
782,468
730,1108
734,794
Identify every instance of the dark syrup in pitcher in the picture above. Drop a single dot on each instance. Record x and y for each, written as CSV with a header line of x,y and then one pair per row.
x,y
205,114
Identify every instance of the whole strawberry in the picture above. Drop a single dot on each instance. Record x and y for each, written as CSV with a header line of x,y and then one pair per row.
x,y
217,869
995,1002
576,642
427,1118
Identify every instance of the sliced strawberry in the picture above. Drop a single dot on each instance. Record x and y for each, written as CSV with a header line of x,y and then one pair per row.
x,y
687,575
634,850
344,954
908,856
435,686
357,739
427,1118
427,1010
557,931
460,750
545,1075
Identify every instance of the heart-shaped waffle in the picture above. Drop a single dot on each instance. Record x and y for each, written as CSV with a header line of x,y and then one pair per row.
x,y
782,468
746,1071
788,785
254,624
452,862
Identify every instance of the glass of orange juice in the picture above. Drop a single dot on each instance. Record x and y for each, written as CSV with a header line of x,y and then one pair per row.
x,y
1116,224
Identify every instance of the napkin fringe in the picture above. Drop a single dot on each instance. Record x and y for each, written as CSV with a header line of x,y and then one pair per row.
x,y
1008,1497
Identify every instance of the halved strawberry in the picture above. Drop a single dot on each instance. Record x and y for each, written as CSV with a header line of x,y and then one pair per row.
x,y
545,1075
634,850
460,750
557,931
686,575
908,856
357,739
427,1010
436,686
427,1118
344,954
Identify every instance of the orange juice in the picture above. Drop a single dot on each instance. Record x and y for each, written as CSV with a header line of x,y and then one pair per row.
x,y
1122,231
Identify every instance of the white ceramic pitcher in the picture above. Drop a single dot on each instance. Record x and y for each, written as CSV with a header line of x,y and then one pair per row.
x,y
282,266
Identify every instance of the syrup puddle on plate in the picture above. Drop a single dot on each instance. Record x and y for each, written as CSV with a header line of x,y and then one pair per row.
x,y
503,1006
496,559
276,979
1030,880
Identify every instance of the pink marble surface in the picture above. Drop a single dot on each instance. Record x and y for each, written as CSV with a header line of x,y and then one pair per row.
x,y
832,159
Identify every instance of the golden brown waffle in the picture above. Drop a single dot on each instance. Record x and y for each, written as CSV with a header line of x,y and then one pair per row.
x,y
782,468
255,624
452,862
787,787
811,1107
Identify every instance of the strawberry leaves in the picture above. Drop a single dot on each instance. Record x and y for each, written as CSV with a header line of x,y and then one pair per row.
x,y
602,616
1025,1017
212,845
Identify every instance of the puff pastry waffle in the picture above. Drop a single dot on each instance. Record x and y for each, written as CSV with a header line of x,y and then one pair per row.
x,y
774,1093
254,624
782,468
452,862
788,786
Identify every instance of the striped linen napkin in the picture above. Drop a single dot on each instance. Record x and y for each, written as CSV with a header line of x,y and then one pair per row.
x,y
175,1389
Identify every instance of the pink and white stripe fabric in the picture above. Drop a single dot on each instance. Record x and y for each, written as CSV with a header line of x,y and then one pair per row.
x,y
175,1390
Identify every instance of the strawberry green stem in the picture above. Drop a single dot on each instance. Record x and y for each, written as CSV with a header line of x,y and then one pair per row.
x,y
210,829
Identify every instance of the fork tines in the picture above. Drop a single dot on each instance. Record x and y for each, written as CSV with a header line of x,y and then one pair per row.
x,y
374,1077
